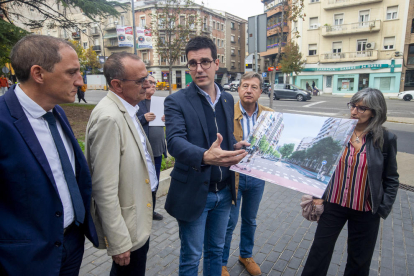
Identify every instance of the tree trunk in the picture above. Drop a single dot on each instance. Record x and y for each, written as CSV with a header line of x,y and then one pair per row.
x,y
170,77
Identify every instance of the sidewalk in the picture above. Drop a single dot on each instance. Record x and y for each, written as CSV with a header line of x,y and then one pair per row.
x,y
283,239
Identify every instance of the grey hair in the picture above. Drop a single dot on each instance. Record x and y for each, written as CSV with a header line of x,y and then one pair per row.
x,y
39,50
114,67
250,75
374,99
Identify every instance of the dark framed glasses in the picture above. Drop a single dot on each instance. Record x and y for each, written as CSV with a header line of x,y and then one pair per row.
x,y
205,64
360,108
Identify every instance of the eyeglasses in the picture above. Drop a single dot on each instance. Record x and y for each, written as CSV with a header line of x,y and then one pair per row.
x,y
152,82
138,81
360,108
205,64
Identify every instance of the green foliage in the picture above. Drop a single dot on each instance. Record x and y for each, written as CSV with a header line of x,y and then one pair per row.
x,y
9,35
82,145
292,59
263,144
171,33
253,140
167,163
286,150
91,60
326,149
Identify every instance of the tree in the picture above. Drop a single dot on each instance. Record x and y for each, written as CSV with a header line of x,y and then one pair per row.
x,y
91,60
9,35
292,11
326,149
286,150
172,25
292,59
263,144
81,54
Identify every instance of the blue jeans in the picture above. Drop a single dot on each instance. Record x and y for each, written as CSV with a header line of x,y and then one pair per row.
x,y
210,229
251,189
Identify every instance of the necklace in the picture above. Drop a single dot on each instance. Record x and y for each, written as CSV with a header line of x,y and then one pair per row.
x,y
357,137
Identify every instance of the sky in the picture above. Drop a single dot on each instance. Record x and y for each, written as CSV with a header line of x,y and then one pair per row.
x,y
243,9
299,126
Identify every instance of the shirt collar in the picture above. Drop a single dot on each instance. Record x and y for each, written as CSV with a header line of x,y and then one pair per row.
x,y
205,94
30,106
132,110
243,111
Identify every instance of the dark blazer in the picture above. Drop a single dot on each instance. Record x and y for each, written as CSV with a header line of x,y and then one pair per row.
x,y
187,140
31,220
144,123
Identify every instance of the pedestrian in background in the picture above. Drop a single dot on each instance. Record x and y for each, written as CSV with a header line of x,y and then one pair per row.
x,y
44,178
199,126
4,84
81,93
122,167
362,189
155,134
246,112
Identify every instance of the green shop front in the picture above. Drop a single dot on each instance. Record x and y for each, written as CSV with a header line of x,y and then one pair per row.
x,y
347,80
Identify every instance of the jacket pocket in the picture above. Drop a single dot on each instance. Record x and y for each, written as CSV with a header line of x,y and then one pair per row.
x,y
130,217
180,172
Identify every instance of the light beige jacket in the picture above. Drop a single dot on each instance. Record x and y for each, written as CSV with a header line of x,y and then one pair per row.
x,y
121,192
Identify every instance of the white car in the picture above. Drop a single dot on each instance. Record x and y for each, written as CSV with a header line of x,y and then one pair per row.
x,y
226,86
406,95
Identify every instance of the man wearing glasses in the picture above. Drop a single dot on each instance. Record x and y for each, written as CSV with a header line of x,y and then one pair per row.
x,y
155,134
120,158
199,126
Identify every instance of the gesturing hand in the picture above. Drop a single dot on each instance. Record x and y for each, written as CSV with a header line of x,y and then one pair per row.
x,y
149,116
218,157
122,259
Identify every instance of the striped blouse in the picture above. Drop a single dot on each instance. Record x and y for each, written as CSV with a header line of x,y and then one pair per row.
x,y
349,184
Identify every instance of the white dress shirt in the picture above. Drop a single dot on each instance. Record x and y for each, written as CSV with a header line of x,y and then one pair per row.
x,y
208,98
132,112
34,113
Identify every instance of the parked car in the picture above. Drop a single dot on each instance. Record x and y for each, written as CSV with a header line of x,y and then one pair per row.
x,y
234,87
266,88
290,91
406,95
226,86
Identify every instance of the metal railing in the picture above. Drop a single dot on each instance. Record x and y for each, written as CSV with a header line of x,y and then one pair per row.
x,y
96,47
373,25
358,55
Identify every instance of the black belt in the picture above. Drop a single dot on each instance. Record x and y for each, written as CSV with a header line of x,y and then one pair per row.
x,y
217,186
67,229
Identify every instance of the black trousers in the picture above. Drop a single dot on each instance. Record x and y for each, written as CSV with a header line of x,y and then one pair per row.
x,y
137,263
362,236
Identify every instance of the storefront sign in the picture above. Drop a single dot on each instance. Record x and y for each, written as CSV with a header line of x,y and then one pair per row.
x,y
365,66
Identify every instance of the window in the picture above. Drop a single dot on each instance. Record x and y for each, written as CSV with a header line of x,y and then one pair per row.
x,y
84,31
412,27
328,81
361,45
183,59
363,18
410,57
238,52
218,57
337,49
142,21
389,42
191,22
222,26
312,49
96,42
232,38
313,23
214,40
182,20
233,65
214,25
205,23
233,52
161,23
392,12
232,26
222,59
122,20
85,45
338,19
222,43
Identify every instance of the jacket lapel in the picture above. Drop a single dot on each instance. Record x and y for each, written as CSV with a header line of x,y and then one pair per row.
x,y
22,124
195,101
130,123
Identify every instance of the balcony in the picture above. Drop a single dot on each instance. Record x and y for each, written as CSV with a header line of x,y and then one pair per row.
x,y
110,26
96,48
111,43
206,29
76,35
95,31
338,4
352,28
233,55
369,55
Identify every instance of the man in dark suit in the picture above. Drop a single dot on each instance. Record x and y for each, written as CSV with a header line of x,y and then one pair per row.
x,y
155,134
44,179
199,125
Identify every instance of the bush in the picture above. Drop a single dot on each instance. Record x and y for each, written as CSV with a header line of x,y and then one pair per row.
x,y
167,163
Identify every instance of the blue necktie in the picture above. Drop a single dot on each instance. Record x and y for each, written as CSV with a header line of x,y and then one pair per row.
x,y
75,195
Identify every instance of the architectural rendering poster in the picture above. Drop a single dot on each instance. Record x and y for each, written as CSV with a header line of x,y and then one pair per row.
x,y
125,36
144,38
296,151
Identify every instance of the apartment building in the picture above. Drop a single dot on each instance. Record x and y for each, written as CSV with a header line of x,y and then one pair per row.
x,y
407,79
352,44
273,10
226,30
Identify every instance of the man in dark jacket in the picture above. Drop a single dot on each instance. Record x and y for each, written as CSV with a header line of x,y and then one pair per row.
x,y
199,125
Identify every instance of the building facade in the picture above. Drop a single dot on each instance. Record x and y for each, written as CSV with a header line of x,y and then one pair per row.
x,y
407,80
352,44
